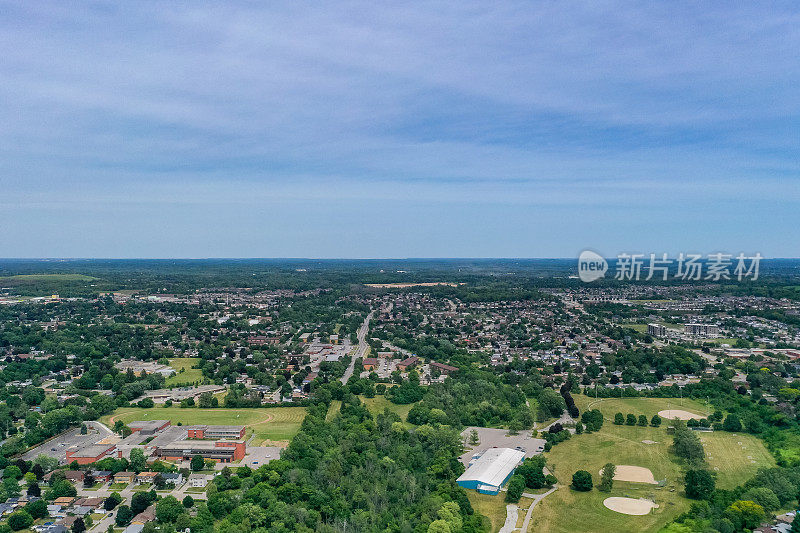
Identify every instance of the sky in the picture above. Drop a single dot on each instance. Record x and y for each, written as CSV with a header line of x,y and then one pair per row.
x,y
402,129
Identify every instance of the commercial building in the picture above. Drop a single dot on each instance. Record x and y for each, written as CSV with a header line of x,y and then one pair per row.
x,y
491,470
656,330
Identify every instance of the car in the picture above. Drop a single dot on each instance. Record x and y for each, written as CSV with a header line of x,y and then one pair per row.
x,y
52,449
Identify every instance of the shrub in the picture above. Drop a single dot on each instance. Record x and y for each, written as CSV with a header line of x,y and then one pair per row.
x,y
582,481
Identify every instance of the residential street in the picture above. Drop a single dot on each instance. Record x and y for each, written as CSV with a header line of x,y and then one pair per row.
x,y
362,347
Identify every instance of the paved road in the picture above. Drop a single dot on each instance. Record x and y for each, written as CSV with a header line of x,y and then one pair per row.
x,y
361,350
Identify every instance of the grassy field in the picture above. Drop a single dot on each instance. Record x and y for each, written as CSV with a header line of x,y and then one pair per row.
x,y
184,373
567,510
492,507
639,406
274,424
734,463
377,404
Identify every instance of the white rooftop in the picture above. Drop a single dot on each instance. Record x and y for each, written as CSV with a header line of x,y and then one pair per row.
x,y
493,467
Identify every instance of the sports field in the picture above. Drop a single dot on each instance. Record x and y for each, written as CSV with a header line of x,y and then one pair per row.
x,y
184,373
278,424
640,406
567,510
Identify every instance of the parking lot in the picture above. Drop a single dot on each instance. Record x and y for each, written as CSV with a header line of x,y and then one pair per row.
x,y
58,446
499,438
260,455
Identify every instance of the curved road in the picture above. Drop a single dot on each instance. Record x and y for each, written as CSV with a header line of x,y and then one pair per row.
x,y
361,350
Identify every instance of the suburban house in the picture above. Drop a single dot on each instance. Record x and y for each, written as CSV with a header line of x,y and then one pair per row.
x,y
124,477
199,480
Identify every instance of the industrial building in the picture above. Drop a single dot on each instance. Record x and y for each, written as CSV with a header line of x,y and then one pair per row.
x,y
491,470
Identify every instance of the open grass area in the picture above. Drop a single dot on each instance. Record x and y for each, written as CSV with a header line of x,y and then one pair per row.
x,y
377,404
492,507
184,373
567,510
333,409
274,424
735,463
640,406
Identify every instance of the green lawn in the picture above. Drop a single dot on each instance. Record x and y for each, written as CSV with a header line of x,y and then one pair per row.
x,y
275,424
117,486
492,507
377,404
184,373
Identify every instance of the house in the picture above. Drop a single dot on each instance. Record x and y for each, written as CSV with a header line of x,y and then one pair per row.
x,y
146,477
199,480
67,521
370,363
134,528
148,515
102,476
75,476
92,502
64,501
124,477
174,479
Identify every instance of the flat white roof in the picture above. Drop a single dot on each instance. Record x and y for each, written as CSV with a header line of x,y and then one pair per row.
x,y
493,466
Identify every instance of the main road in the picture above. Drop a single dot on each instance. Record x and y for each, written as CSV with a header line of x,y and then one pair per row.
x,y
361,350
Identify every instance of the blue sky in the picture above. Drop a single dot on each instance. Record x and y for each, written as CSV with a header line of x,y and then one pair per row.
x,y
344,129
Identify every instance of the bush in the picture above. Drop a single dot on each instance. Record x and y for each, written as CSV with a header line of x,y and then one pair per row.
x,y
655,421
630,420
619,419
582,481
642,420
